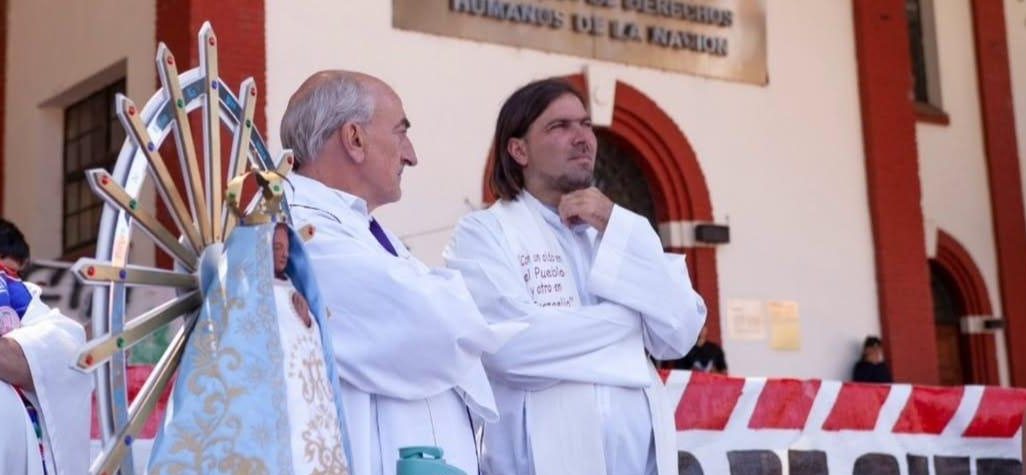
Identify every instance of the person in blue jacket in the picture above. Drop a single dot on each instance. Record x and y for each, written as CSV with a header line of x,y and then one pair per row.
x,y
44,402
14,296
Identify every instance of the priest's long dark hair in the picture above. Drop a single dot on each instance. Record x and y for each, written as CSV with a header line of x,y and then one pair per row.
x,y
519,111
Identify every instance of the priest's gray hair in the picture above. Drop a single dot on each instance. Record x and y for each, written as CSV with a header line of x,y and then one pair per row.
x,y
326,102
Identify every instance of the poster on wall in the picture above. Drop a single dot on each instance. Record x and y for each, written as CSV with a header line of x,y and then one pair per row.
x,y
745,320
785,326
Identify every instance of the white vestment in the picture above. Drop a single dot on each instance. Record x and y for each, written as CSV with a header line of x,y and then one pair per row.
x,y
575,390
314,426
61,397
407,339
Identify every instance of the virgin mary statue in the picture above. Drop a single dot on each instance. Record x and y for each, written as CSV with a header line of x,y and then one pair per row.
x,y
257,391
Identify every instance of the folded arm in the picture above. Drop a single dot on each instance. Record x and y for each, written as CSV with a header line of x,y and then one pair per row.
x,y
630,268
594,343
14,367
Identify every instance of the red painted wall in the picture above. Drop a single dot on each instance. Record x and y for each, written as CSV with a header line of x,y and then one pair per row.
x,y
239,26
996,108
892,175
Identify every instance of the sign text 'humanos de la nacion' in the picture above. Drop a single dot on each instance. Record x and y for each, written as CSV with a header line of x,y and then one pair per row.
x,y
716,38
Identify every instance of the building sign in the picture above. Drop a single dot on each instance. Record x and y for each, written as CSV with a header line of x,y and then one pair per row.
x,y
716,38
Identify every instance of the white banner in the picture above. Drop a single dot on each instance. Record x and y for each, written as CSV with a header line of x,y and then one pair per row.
x,y
758,426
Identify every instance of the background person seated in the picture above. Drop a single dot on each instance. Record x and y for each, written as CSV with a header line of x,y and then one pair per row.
x,y
872,368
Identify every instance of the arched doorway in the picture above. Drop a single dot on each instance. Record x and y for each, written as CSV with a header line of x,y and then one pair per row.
x,y
675,182
959,292
618,175
952,358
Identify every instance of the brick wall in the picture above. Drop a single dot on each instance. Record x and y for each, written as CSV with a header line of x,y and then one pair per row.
x,y
239,26
995,82
892,181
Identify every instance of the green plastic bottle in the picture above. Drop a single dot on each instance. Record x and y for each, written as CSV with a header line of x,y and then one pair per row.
x,y
424,461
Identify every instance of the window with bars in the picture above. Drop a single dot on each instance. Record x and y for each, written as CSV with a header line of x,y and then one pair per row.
x,y
92,139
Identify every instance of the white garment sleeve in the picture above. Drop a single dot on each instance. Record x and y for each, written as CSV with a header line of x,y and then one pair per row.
x,y
50,342
588,344
399,329
630,268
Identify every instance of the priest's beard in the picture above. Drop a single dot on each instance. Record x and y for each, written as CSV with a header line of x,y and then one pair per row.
x,y
570,182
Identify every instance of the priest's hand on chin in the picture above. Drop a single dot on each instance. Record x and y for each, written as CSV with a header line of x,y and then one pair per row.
x,y
588,205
